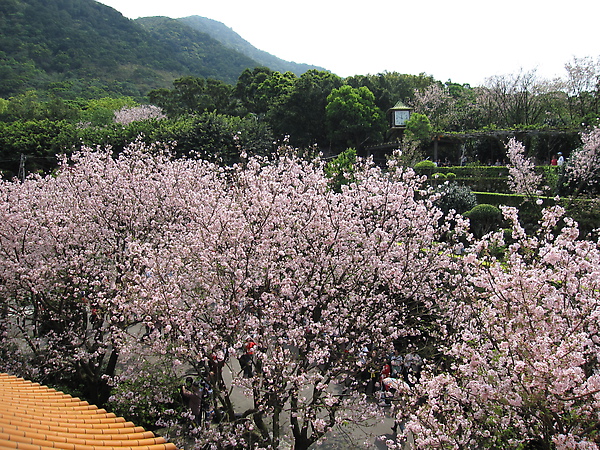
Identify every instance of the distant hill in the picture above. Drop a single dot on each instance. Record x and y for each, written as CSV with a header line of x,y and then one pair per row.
x,y
82,48
231,39
202,54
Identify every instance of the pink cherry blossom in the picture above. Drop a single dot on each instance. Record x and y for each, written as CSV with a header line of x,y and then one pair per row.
x,y
205,257
127,115
522,177
525,351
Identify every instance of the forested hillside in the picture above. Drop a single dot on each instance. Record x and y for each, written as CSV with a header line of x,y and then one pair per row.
x,y
230,38
81,48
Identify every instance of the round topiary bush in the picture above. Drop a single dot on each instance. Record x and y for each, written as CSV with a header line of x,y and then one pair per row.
x,y
484,218
425,167
450,176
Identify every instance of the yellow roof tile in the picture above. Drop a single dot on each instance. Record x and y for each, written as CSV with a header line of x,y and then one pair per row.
x,y
35,417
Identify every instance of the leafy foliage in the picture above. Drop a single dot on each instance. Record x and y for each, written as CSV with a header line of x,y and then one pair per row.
x,y
35,143
301,113
484,218
456,197
418,128
341,168
352,117
193,95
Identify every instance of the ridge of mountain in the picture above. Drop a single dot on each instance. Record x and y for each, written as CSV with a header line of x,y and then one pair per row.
x,y
228,37
210,57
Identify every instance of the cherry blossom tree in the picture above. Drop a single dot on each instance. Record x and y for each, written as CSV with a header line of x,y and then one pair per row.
x,y
207,257
68,275
311,275
127,115
522,178
437,104
522,357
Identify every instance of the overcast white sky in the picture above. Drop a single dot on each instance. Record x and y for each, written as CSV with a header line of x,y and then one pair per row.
x,y
462,40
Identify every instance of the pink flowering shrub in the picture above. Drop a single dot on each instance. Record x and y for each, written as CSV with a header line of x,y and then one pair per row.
x,y
522,359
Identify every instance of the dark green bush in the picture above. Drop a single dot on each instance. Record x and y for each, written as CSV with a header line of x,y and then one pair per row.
x,y
456,197
450,176
425,167
484,218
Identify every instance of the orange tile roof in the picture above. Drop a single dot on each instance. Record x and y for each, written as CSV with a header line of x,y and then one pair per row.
x,y
35,417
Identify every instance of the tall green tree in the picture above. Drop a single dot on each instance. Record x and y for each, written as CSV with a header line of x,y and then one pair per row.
x,y
260,89
193,95
353,118
301,112
247,88
418,128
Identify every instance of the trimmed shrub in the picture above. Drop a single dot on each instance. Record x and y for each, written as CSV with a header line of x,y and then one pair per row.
x,y
450,176
438,178
484,218
425,167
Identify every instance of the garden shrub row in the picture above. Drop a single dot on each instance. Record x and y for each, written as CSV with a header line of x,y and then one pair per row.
x,y
480,178
470,171
585,211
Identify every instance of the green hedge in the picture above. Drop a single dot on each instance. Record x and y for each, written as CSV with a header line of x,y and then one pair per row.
x,y
585,211
494,198
488,178
475,171
491,171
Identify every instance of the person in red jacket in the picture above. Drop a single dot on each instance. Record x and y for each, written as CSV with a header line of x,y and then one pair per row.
x,y
247,359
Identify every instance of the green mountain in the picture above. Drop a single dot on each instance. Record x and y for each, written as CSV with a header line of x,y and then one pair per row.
x,y
82,48
231,39
202,55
